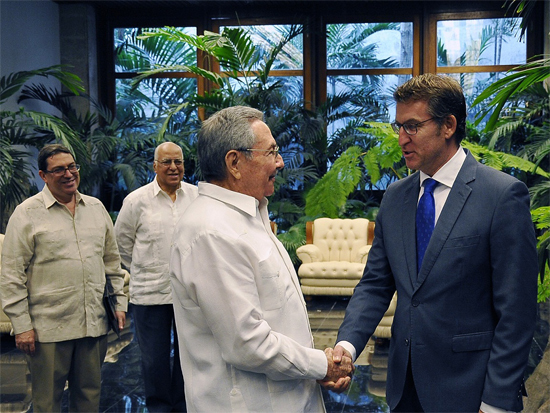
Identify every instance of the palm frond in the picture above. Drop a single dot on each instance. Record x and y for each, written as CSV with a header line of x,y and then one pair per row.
x,y
62,132
501,91
12,83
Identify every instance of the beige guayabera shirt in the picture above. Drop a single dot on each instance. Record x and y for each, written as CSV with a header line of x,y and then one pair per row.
x,y
54,266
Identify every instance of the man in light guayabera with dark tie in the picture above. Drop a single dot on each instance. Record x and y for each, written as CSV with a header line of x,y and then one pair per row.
x,y
456,241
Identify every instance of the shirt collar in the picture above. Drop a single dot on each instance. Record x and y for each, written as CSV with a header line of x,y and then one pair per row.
x,y
245,203
447,174
50,200
157,188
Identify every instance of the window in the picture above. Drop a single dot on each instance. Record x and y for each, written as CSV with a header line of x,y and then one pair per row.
x,y
366,59
154,95
287,67
370,60
477,51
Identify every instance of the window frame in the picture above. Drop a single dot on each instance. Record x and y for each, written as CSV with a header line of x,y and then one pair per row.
x,y
423,15
430,59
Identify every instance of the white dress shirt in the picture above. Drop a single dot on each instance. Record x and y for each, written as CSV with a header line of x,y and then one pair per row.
x,y
445,176
144,230
245,340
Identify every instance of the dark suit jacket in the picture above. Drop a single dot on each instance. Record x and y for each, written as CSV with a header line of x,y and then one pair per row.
x,y
467,319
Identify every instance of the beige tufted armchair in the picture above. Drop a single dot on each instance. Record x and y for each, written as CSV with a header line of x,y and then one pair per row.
x,y
334,258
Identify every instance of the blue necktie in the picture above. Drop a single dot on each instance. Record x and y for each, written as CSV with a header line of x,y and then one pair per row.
x,y
425,220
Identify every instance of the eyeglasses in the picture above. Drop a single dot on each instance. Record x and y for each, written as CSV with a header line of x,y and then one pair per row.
x,y
410,128
60,171
273,151
167,162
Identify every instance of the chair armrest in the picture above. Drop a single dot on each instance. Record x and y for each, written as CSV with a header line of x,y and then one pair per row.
x,y
362,254
309,253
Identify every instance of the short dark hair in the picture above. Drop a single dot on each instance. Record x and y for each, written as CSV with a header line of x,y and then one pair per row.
x,y
444,96
228,129
50,150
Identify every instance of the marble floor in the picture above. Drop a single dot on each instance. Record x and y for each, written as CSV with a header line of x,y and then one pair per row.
x,y
122,384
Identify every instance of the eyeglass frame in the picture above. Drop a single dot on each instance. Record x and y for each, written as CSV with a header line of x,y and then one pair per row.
x,y
274,151
396,126
168,162
60,170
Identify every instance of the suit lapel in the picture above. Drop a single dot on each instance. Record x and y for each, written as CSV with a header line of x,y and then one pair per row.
x,y
449,215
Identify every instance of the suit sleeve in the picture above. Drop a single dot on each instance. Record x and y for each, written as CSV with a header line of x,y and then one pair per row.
x,y
372,295
514,279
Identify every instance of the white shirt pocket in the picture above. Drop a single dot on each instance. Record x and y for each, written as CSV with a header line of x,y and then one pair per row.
x,y
270,288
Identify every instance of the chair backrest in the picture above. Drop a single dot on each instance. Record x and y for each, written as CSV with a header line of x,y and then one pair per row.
x,y
340,239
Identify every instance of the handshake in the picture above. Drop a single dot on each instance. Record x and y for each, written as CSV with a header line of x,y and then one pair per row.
x,y
340,369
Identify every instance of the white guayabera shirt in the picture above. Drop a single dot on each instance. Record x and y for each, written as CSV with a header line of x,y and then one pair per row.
x,y
144,229
245,341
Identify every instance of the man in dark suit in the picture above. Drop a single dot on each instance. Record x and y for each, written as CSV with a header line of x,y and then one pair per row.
x,y
466,308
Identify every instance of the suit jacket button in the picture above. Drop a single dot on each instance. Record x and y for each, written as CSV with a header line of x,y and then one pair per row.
x,y
407,342
415,303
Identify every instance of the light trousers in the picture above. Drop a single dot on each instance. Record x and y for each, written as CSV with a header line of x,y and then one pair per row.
x,y
77,361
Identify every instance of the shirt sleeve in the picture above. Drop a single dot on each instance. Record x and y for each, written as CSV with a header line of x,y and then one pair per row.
x,y
349,347
17,252
111,260
225,289
125,230
486,408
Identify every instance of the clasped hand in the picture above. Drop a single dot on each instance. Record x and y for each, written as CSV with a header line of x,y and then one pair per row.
x,y
340,369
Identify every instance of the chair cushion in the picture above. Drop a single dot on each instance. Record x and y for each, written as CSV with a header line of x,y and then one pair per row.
x,y
332,270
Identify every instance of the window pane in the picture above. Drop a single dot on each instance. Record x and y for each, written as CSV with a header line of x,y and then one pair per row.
x,y
266,37
480,42
369,45
152,96
379,87
290,87
473,84
134,55
369,98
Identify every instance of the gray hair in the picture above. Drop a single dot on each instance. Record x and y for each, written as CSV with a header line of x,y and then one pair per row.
x,y
228,129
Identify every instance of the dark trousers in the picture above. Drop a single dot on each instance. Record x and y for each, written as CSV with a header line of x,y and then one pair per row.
x,y
409,400
164,390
